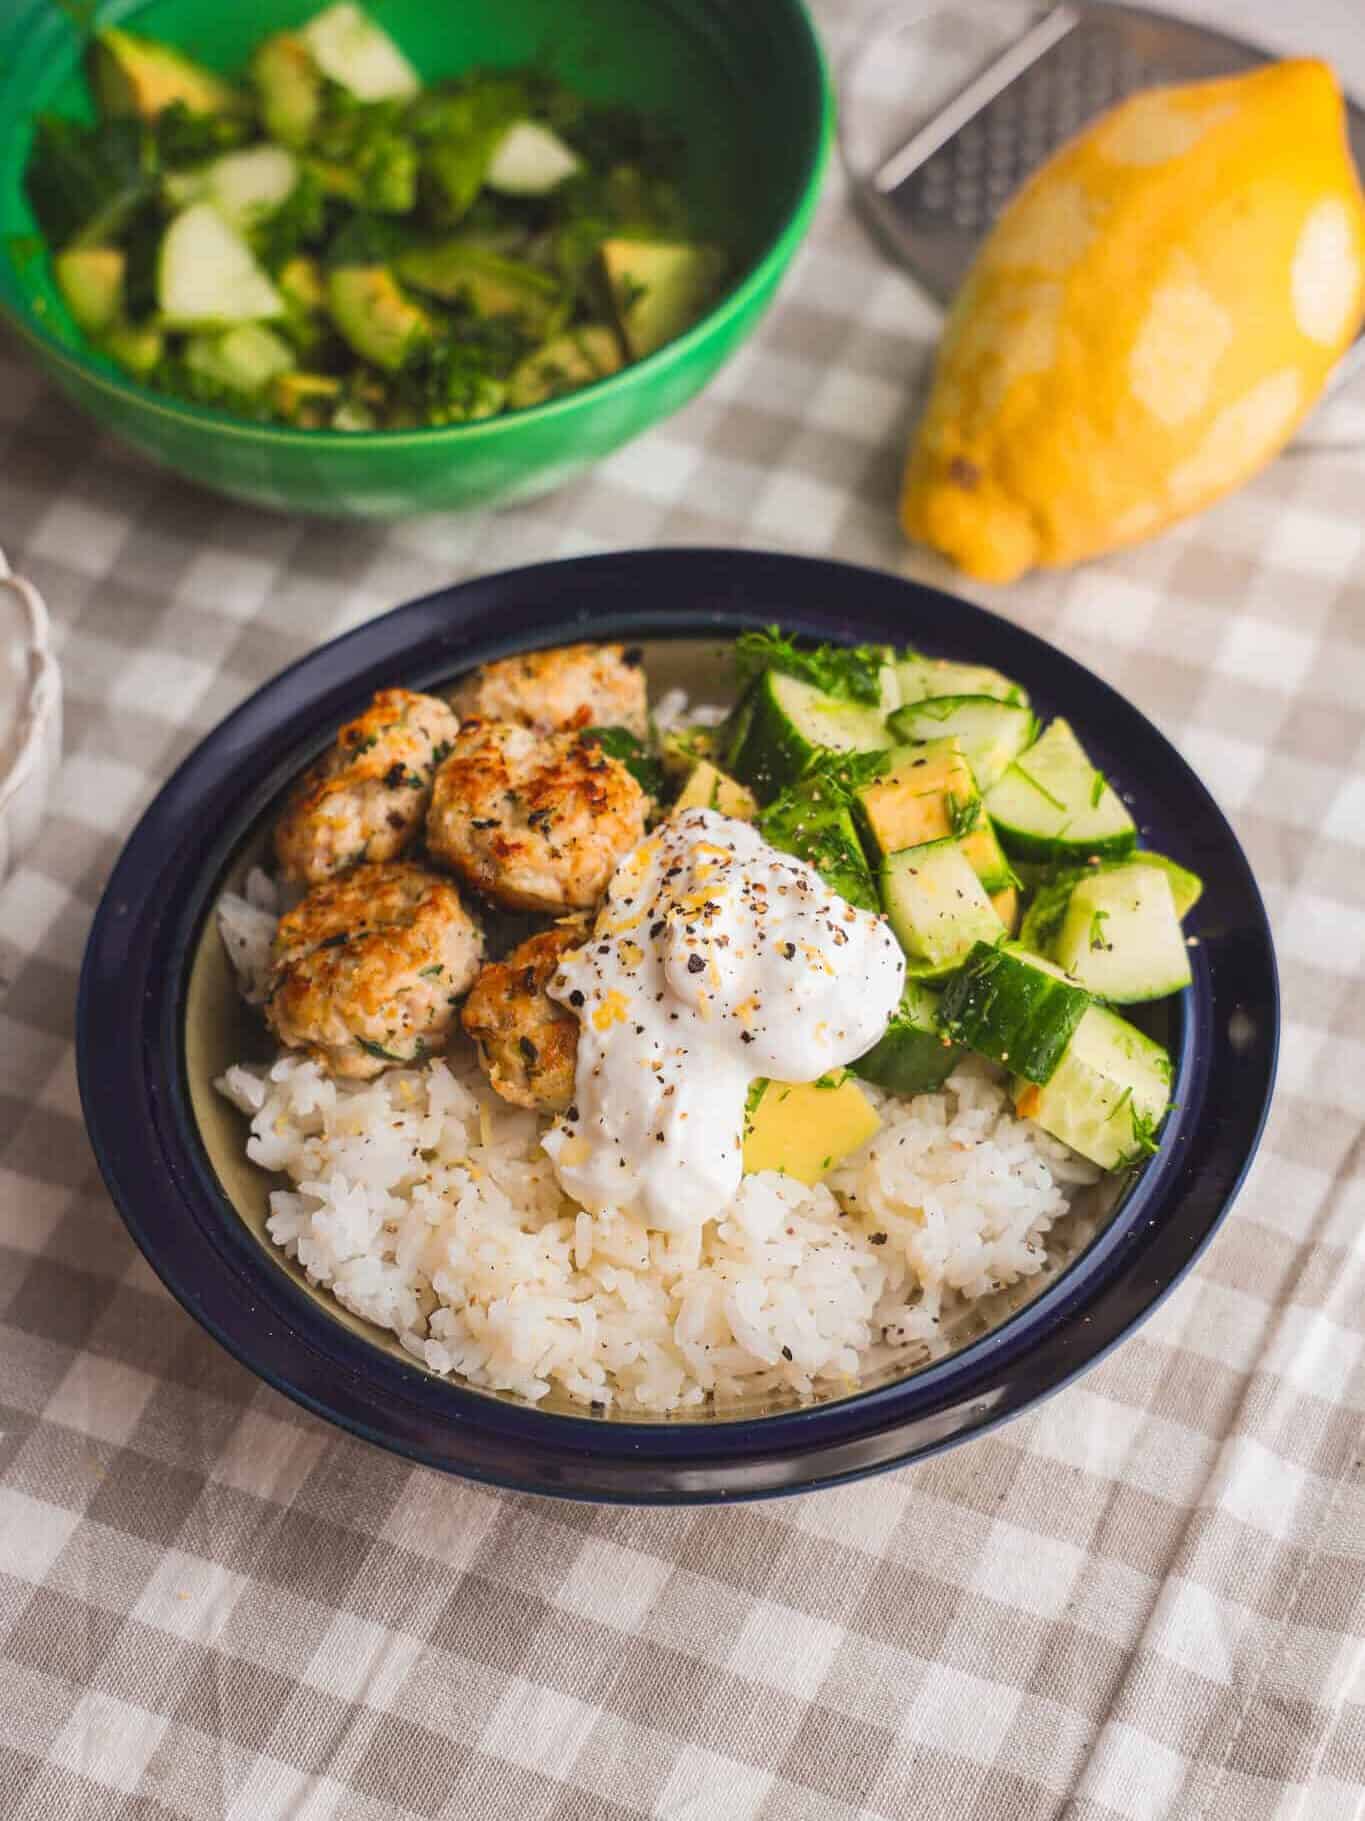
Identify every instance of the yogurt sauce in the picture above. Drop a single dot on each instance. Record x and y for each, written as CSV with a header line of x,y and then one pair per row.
x,y
714,959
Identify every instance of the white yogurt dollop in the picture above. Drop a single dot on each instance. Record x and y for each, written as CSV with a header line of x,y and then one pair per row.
x,y
715,959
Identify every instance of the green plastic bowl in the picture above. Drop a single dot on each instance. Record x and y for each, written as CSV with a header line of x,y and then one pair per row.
x,y
743,80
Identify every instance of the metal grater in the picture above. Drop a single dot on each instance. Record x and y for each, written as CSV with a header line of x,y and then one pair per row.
x,y
934,199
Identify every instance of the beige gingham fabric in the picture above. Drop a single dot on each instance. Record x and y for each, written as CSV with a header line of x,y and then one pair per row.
x,y
1146,1600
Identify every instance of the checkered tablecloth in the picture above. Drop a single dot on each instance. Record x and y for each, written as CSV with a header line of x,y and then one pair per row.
x,y
1143,1601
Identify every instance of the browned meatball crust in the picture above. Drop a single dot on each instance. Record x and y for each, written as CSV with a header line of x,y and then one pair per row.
x,y
533,821
560,691
528,1044
368,968
366,798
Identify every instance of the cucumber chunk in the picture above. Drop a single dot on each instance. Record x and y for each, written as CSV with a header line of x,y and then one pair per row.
x,y
1052,888
1109,1094
914,1057
815,823
784,723
246,359
530,160
1052,804
243,186
288,88
928,795
207,276
991,733
937,907
982,847
1015,1008
921,678
350,49
1121,937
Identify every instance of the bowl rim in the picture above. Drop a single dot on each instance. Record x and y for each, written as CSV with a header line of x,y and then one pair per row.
x,y
772,257
1115,1282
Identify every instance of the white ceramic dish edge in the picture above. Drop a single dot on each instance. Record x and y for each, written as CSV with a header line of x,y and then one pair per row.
x,y
26,778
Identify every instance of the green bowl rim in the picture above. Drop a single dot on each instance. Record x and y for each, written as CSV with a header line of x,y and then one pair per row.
x,y
769,263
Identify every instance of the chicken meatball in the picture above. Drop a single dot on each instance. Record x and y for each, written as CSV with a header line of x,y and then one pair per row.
x,y
366,798
560,691
368,968
533,821
528,1044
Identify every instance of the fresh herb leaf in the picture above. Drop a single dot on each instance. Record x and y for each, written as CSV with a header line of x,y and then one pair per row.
x,y
377,1049
181,137
851,672
1096,789
299,221
1097,923
963,815
84,182
844,772
632,752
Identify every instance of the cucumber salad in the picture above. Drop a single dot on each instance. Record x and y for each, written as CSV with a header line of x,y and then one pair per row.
x,y
329,244
1007,865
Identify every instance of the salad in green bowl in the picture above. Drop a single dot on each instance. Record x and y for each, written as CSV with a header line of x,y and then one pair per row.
x,y
323,241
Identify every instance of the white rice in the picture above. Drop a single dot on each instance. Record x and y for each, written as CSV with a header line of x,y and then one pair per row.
x,y
428,1207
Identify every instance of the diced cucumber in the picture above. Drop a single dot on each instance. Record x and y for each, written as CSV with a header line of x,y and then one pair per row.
x,y
1015,1008
577,358
928,795
530,160
246,359
982,847
243,186
921,678
1121,938
91,281
815,823
288,87
991,733
462,270
1052,888
785,723
914,1057
1052,804
937,907
1109,1094
352,51
207,275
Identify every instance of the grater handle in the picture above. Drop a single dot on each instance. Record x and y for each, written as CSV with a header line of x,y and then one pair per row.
x,y
968,102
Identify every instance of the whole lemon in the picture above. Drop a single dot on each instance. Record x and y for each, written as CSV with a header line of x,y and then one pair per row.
x,y
1146,324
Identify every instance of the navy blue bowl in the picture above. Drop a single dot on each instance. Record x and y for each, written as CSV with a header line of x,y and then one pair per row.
x,y
137,1093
